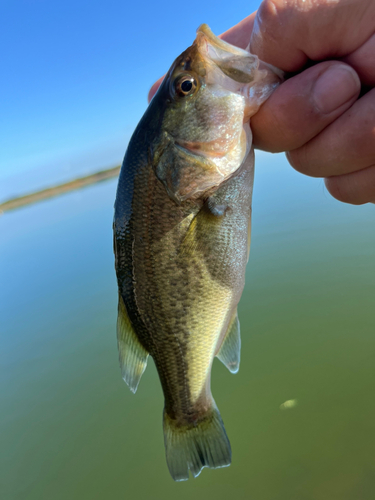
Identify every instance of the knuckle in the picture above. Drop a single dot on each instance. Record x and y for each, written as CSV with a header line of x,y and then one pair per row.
x,y
268,9
269,16
276,28
279,12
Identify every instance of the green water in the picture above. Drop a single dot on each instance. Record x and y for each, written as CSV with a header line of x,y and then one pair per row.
x,y
70,428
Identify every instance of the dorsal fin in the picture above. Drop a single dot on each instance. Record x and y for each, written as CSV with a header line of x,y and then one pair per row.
x,y
229,353
133,356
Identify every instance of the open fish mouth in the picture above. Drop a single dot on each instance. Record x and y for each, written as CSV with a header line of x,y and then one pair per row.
x,y
204,31
236,63
237,70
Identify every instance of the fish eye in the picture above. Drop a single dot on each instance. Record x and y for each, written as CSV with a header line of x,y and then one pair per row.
x,y
185,85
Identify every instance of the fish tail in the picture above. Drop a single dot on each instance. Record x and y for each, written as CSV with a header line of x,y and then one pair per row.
x,y
202,444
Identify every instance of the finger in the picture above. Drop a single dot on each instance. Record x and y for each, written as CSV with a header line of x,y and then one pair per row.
x,y
345,146
363,61
304,105
239,35
154,88
287,33
356,188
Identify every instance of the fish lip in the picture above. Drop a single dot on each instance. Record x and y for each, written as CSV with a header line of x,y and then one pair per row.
x,y
236,63
209,37
202,149
185,146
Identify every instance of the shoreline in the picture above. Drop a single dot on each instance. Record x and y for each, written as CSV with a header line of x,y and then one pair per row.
x,y
66,187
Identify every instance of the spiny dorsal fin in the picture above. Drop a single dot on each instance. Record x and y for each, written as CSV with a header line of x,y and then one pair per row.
x,y
133,356
229,353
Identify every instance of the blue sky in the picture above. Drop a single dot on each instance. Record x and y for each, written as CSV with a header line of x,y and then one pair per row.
x,y
76,76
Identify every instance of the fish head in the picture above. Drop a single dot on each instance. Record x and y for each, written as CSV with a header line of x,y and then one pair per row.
x,y
207,98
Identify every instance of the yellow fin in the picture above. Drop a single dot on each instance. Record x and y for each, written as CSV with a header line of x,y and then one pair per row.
x,y
133,356
230,349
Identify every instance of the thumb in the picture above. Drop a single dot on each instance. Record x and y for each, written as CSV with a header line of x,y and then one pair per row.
x,y
304,105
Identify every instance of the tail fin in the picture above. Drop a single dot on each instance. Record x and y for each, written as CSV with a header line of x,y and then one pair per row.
x,y
193,447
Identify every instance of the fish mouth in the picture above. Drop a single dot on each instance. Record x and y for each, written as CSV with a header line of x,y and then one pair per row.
x,y
236,63
220,153
204,31
207,149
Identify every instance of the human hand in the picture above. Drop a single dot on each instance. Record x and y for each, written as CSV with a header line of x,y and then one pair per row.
x,y
316,116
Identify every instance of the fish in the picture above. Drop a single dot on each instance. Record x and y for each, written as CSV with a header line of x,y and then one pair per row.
x,y
182,239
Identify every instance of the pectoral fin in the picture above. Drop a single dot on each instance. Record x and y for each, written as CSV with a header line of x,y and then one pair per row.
x,y
133,356
229,353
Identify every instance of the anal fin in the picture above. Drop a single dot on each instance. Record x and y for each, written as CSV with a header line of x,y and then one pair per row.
x,y
229,353
132,355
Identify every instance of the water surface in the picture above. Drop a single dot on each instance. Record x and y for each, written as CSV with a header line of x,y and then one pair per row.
x,y
71,429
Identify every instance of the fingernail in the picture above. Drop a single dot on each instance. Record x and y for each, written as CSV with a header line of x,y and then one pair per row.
x,y
335,87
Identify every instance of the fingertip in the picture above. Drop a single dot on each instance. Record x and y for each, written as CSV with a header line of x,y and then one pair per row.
x,y
356,188
154,88
297,159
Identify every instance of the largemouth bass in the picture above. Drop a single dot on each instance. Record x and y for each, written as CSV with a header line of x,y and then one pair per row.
x,y
182,237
